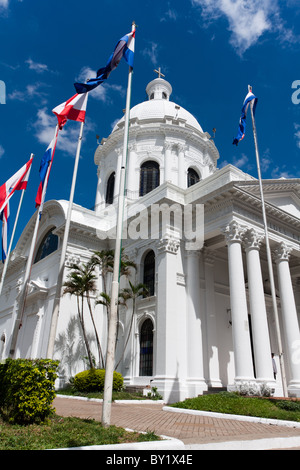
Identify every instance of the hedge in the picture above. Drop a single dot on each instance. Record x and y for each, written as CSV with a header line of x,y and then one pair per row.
x,y
92,380
27,389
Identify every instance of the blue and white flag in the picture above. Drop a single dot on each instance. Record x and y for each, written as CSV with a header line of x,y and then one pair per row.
x,y
124,48
242,125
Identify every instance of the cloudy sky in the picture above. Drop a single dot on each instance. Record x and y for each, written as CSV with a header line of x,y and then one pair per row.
x,y
209,50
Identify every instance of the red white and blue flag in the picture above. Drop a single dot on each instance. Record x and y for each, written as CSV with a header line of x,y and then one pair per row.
x,y
46,160
242,124
17,182
124,48
74,109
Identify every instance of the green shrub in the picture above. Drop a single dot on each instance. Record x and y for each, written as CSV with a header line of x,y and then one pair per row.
x,y
92,380
27,389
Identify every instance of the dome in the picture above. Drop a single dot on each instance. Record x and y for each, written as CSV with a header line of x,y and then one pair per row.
x,y
159,108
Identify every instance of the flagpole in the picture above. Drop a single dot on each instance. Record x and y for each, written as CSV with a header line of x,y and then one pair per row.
x,y
269,256
13,234
22,302
112,328
55,312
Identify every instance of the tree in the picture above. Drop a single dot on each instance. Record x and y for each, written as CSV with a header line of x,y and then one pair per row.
x,y
81,282
132,293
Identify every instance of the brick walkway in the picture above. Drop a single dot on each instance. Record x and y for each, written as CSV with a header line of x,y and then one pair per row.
x,y
190,429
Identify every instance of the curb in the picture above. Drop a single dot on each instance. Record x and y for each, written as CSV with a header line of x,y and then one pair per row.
x,y
253,419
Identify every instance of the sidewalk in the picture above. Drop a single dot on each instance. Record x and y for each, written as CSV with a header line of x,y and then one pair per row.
x,y
188,430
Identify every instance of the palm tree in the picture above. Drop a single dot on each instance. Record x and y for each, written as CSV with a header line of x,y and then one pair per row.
x,y
81,283
132,293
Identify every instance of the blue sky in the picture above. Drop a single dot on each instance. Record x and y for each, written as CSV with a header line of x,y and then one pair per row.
x,y
209,50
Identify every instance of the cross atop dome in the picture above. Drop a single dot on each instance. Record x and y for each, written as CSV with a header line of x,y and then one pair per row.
x,y
160,74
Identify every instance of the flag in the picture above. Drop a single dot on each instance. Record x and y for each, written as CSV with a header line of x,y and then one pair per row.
x,y
242,125
45,162
124,48
17,182
73,109
4,217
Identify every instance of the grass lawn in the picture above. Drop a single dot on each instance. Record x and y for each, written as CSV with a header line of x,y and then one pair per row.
x,y
232,403
60,432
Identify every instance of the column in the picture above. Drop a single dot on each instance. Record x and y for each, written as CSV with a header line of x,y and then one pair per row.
x,y
132,183
182,176
289,316
168,161
211,333
238,303
166,377
259,321
99,199
119,153
195,371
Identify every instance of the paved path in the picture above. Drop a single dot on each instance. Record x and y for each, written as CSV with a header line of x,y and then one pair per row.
x,y
190,429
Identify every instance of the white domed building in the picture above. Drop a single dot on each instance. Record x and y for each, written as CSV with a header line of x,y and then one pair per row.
x,y
196,235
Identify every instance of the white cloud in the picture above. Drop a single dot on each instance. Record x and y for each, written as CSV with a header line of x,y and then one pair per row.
x,y
248,20
39,68
3,3
151,52
2,151
44,128
32,91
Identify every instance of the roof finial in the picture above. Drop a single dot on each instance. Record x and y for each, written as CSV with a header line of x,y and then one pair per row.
x,y
159,72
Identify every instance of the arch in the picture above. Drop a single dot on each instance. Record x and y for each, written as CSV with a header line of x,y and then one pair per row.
x,y
146,348
149,271
192,177
110,188
48,245
149,177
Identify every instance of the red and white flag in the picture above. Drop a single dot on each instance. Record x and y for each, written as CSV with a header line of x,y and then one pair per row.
x,y
17,182
73,109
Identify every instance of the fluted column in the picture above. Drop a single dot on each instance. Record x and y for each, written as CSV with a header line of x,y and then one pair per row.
x,y
168,161
118,172
132,182
259,321
182,183
238,302
289,315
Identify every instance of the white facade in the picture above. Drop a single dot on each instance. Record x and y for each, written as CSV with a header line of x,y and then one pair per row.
x,y
209,320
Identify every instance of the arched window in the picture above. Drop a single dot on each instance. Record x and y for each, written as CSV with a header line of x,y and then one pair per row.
x,y
193,177
146,348
2,346
47,246
149,177
149,272
109,197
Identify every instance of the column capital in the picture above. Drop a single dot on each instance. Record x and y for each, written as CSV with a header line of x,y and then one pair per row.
x,y
168,145
252,239
233,232
282,252
168,244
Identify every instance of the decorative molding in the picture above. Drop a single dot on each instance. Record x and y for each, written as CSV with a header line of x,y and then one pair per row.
x,y
169,245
